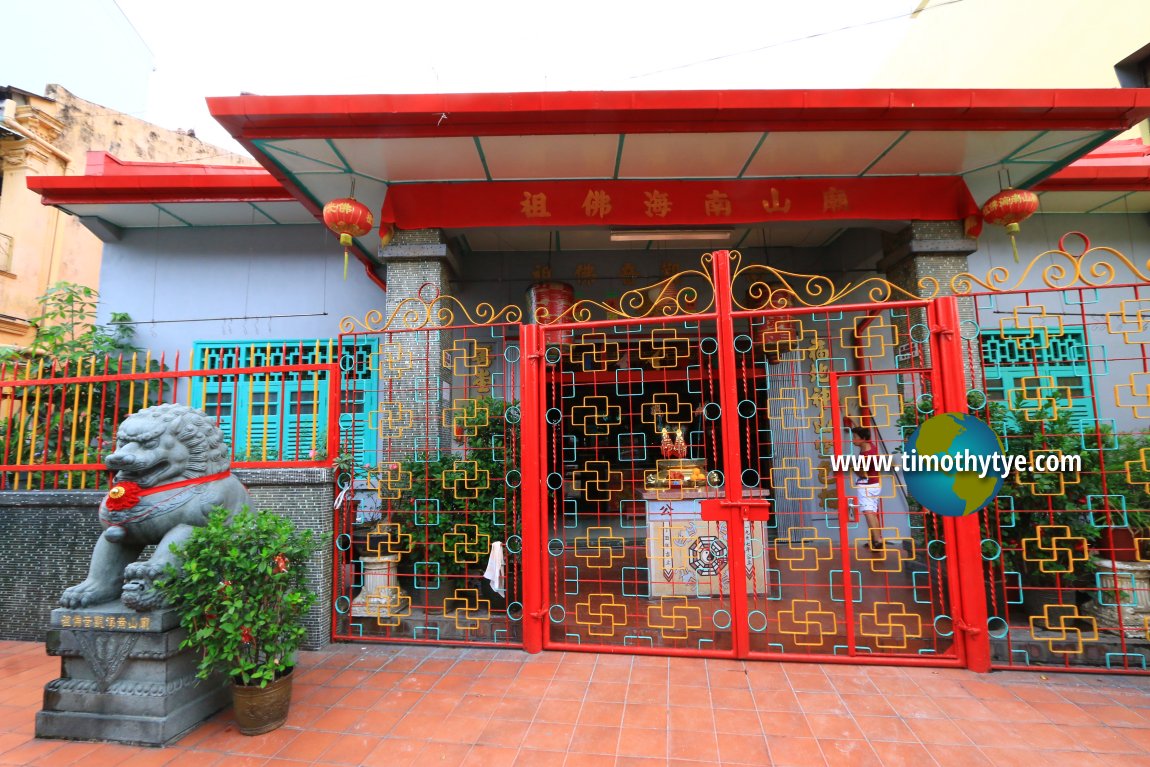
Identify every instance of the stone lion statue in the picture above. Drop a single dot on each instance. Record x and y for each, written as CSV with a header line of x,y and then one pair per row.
x,y
172,469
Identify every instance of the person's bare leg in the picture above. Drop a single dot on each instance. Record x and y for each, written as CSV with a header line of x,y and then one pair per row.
x,y
874,525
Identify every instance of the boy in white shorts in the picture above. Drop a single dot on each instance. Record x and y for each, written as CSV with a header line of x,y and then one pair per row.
x,y
868,484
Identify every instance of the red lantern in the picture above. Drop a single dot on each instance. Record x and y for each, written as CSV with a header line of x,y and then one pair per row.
x,y
348,218
1009,208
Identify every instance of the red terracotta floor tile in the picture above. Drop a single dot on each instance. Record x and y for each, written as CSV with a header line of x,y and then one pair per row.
x,y
594,739
939,732
645,716
821,703
590,760
834,726
959,756
848,753
491,756
643,743
784,752
444,754
785,724
601,713
503,732
533,758
890,728
549,736
692,745
738,721
349,749
902,754
422,706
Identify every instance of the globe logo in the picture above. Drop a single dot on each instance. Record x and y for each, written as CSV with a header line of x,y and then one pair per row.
x,y
942,462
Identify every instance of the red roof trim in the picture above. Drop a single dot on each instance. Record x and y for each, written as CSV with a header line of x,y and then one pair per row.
x,y
148,188
488,114
1119,166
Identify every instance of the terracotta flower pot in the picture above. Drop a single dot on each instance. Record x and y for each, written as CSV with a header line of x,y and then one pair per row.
x,y
262,709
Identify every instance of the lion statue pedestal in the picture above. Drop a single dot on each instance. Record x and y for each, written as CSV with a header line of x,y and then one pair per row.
x,y
123,676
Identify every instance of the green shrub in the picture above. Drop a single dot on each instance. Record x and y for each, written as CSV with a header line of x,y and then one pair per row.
x,y
241,594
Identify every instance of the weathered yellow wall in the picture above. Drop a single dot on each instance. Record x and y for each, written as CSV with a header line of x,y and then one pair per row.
x,y
50,246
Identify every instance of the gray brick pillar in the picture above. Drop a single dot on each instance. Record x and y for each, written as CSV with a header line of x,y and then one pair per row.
x,y
419,266
933,250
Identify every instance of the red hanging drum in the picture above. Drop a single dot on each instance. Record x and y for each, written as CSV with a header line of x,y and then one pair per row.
x,y
548,301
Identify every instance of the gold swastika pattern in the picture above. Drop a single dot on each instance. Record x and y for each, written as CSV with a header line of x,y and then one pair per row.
x,y
1138,472
890,556
877,401
393,361
1131,319
806,623
1033,479
1039,398
869,337
465,417
468,610
388,540
599,548
1055,549
593,353
391,419
786,335
674,617
667,409
389,606
465,480
1135,394
466,356
798,478
595,415
601,614
890,625
389,480
664,348
466,544
597,481
791,409
1063,628
805,553
1030,327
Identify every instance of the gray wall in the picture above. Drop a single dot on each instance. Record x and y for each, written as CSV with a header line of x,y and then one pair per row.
x,y
48,537
222,283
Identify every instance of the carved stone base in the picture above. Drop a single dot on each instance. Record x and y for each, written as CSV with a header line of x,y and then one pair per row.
x,y
124,678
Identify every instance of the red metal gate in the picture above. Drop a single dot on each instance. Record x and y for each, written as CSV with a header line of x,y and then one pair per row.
x,y
690,508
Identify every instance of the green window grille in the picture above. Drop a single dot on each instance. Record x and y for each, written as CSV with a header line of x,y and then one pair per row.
x,y
284,415
1028,368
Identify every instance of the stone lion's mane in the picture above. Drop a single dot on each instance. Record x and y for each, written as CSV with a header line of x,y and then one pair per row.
x,y
207,452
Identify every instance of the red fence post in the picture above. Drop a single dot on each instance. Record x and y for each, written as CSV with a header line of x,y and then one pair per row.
x,y
532,496
732,460
949,362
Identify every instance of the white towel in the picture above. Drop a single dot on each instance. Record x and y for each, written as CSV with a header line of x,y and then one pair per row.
x,y
494,571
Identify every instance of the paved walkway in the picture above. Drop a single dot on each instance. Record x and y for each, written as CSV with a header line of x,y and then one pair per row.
x,y
399,706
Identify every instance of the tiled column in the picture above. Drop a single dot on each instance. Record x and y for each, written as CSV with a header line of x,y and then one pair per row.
x,y
419,266
938,250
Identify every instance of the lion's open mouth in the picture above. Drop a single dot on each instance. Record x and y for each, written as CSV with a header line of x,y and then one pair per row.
x,y
148,477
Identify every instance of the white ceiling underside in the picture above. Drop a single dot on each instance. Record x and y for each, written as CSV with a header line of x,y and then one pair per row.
x,y
325,169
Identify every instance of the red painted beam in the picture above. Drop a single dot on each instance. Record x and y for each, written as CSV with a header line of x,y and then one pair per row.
x,y
662,203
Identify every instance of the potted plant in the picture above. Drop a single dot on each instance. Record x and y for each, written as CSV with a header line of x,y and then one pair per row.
x,y
241,594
